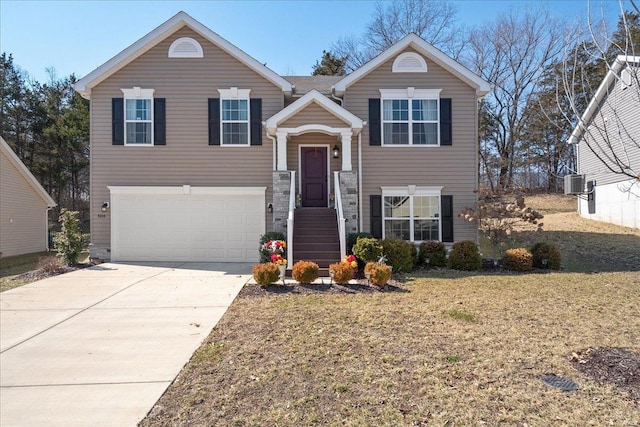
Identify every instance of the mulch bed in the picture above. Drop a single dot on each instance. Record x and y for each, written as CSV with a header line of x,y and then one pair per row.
x,y
359,286
612,365
43,274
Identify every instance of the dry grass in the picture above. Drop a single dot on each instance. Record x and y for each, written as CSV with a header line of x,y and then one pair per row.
x,y
20,270
453,349
457,349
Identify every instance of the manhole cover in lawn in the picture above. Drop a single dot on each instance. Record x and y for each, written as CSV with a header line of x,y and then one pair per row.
x,y
564,384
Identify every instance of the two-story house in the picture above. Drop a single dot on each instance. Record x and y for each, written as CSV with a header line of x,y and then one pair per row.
x,y
197,149
607,140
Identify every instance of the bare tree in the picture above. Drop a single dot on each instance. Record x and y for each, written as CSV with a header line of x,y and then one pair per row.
x,y
511,53
430,19
606,131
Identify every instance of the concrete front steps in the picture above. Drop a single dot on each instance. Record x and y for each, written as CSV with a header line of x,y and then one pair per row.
x,y
315,237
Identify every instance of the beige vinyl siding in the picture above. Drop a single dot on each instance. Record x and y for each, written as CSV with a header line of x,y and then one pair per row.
x,y
316,138
452,167
625,105
187,158
23,218
313,114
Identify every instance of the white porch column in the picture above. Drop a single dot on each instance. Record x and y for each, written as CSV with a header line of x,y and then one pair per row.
x,y
346,150
281,150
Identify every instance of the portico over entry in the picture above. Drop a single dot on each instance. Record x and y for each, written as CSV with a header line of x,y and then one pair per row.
x,y
313,113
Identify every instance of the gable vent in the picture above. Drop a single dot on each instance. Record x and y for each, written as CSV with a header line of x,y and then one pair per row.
x,y
409,62
185,47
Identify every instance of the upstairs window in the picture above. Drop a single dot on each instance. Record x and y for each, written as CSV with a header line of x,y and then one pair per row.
x,y
410,117
138,116
234,116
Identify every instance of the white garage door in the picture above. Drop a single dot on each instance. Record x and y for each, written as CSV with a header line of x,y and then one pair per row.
x,y
213,224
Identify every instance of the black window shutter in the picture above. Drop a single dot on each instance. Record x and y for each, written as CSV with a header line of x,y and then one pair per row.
x,y
591,197
255,107
117,121
445,121
214,121
447,218
159,122
375,202
375,137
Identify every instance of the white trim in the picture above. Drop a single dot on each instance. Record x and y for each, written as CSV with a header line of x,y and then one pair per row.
x,y
413,41
328,155
400,63
410,93
316,97
234,93
600,94
327,130
196,52
412,190
160,33
180,190
26,174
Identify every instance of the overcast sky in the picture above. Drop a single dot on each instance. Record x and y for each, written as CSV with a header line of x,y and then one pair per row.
x,y
289,36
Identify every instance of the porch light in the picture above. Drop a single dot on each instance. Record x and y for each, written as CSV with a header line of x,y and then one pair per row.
x,y
105,206
336,151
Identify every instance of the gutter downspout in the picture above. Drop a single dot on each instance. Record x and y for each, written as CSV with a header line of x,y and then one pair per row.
x,y
360,208
273,140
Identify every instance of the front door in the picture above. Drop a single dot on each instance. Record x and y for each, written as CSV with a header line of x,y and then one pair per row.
x,y
313,176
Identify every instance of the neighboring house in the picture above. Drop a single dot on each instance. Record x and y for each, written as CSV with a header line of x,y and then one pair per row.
x,y
199,149
607,139
24,206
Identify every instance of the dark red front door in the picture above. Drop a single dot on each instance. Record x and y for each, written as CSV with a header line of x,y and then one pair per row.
x,y
313,176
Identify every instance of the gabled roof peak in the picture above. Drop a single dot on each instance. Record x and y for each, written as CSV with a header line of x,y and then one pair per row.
x,y
414,41
173,24
313,96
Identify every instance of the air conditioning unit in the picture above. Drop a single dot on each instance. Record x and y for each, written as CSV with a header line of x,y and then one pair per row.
x,y
574,184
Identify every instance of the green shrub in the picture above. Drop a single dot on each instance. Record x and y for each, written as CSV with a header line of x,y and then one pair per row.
x,y
266,273
435,251
399,254
464,256
368,249
546,251
305,271
519,259
68,240
265,256
342,272
352,238
377,273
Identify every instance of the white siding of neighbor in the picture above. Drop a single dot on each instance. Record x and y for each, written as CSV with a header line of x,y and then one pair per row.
x,y
23,213
616,196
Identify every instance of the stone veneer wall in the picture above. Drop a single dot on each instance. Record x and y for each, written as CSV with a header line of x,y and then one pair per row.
x,y
349,191
281,190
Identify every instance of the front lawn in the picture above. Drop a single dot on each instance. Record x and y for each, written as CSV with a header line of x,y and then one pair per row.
x,y
442,348
456,349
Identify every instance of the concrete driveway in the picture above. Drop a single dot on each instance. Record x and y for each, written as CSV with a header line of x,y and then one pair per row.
x,y
99,346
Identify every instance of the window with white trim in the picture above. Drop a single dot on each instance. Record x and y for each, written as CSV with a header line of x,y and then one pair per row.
x,y
410,116
138,116
411,214
234,116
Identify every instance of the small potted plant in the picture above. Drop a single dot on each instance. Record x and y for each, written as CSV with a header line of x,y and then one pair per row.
x,y
298,200
332,200
281,262
275,246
